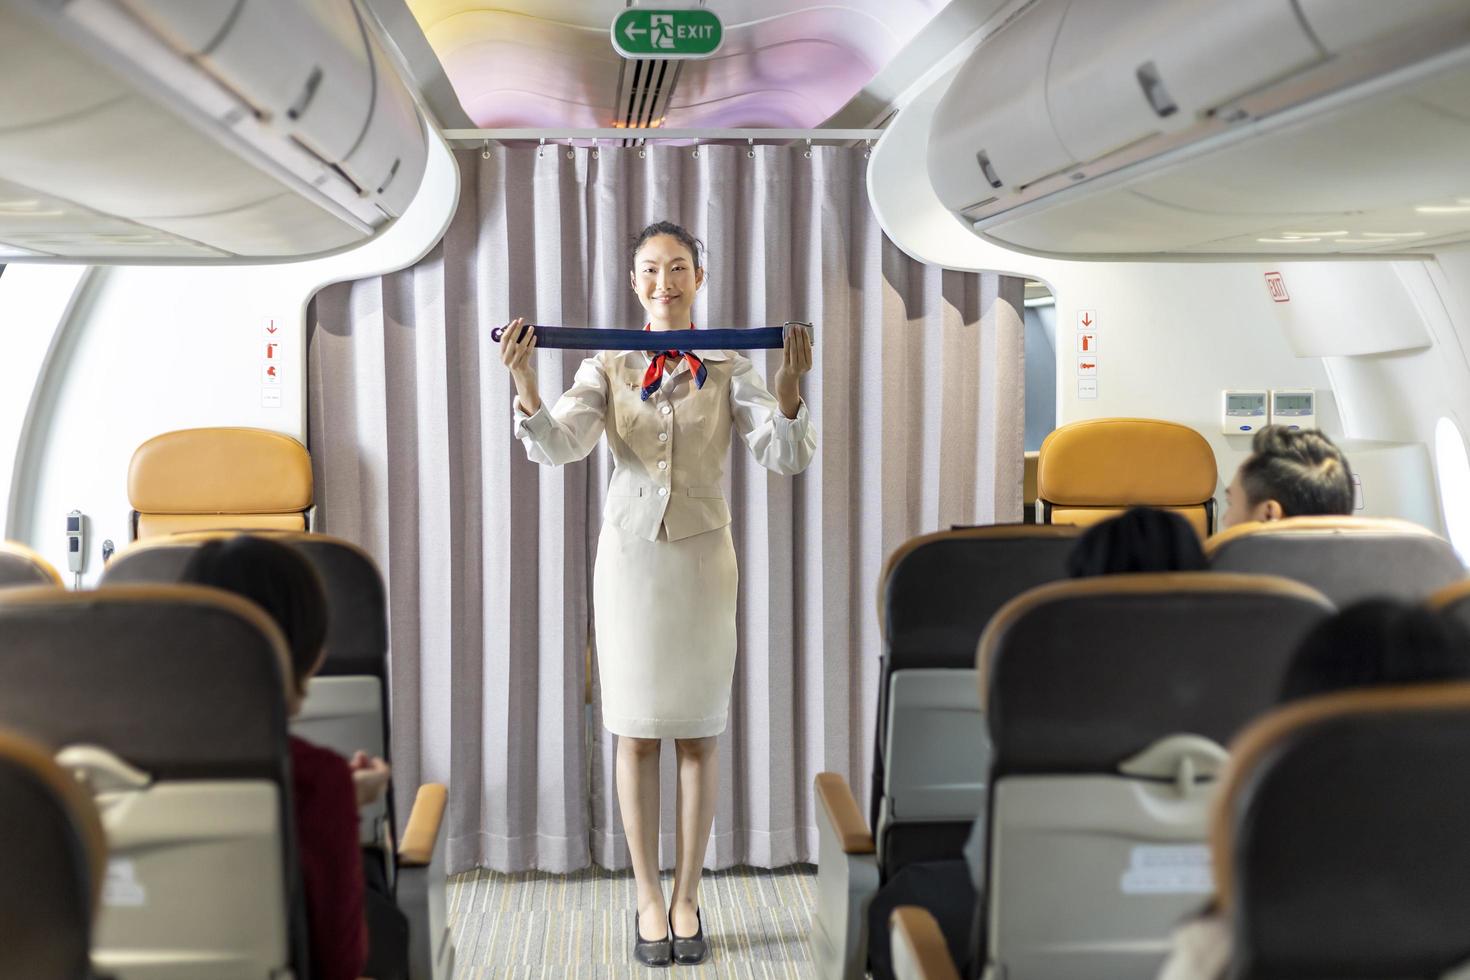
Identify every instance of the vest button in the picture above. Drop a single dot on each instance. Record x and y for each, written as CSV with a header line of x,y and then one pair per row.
x,y
663,464
663,437
663,491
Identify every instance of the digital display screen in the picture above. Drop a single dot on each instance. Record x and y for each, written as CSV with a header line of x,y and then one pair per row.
x,y
1296,404
73,523
76,544
1245,404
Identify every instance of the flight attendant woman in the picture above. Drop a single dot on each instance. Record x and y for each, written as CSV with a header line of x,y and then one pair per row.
x,y
665,579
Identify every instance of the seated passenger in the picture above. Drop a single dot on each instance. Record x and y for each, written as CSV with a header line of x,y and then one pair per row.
x,y
1374,643
1143,539
1290,473
326,789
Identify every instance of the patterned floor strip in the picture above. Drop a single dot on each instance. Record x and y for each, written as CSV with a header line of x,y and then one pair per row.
x,y
580,926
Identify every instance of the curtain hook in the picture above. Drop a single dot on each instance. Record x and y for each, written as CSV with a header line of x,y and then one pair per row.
x,y
541,148
485,150
808,148
595,141
696,148
750,147
867,148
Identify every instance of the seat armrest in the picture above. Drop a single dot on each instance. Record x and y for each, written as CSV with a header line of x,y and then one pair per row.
x,y
843,813
918,948
847,880
424,821
420,888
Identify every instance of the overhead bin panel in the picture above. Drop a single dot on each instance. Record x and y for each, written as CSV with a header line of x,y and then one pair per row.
x,y
1377,176
303,66
28,57
275,226
1214,129
141,130
388,164
1126,70
111,161
1341,25
992,130
189,26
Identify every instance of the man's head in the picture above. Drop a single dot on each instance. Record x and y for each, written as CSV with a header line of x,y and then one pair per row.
x,y
1290,473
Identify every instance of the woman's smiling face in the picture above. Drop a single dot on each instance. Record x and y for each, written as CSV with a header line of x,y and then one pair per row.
x,y
665,278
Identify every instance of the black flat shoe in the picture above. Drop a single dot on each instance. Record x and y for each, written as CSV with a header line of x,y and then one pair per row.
x,y
650,952
690,950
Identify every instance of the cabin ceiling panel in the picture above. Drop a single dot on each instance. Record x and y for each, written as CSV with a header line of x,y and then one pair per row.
x,y
783,63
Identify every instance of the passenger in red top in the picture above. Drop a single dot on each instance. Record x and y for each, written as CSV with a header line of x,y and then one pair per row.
x,y
326,789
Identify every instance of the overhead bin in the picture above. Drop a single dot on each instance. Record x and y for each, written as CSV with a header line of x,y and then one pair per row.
x,y
987,141
191,26
232,129
380,163
1126,70
303,65
1138,128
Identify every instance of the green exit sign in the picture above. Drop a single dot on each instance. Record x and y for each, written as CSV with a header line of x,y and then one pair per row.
x,y
644,32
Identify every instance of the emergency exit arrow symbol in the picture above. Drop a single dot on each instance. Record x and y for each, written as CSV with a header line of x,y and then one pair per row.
x,y
633,32
1086,320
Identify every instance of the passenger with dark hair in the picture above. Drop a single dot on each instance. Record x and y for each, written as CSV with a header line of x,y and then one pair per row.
x,y
1143,539
326,789
1290,473
1373,643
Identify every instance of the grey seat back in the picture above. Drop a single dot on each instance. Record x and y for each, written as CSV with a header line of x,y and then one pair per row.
x,y
20,565
1109,700
346,706
1339,840
171,700
936,595
1344,558
55,855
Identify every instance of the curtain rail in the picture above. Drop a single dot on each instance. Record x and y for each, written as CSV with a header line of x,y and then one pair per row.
x,y
469,137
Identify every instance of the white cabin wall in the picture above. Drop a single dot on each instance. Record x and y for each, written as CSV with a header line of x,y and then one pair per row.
x,y
150,349
1171,337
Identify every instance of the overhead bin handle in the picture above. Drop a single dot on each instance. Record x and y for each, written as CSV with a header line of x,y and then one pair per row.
x,y
1153,90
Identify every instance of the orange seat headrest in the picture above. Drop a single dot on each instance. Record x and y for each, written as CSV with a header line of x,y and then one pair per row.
x,y
220,471
1124,463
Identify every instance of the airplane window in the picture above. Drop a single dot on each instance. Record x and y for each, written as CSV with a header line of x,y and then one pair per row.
x,y
1454,483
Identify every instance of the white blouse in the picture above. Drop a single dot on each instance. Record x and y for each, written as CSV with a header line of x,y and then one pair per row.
x,y
669,451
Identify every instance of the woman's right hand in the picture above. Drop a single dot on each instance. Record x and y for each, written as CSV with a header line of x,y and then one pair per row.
x,y
516,353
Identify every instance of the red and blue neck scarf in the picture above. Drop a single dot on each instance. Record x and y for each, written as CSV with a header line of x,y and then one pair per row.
x,y
654,376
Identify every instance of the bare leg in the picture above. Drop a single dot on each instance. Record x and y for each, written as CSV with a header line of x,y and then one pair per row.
x,y
637,769
699,782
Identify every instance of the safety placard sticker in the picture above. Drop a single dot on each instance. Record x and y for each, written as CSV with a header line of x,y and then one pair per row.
x,y
1168,869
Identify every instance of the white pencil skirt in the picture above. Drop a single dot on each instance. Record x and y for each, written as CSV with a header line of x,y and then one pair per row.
x,y
664,612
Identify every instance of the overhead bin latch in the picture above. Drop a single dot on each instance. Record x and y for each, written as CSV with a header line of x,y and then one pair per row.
x,y
988,169
1153,90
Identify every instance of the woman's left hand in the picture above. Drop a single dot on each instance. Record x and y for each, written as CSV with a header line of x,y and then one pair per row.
x,y
796,360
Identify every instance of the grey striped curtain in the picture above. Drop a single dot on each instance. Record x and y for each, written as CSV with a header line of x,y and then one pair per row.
x,y
917,395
